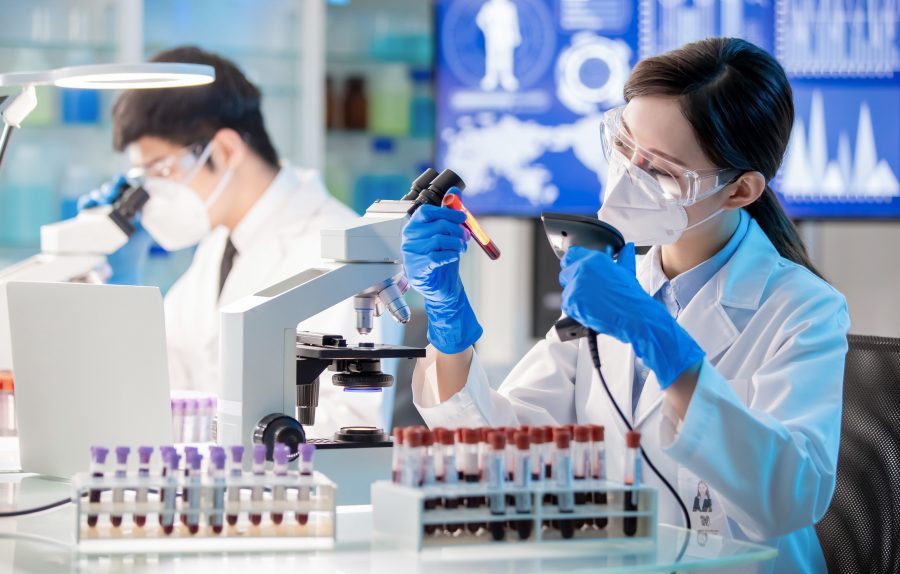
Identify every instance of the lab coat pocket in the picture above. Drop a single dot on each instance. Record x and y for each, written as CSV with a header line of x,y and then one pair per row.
x,y
706,508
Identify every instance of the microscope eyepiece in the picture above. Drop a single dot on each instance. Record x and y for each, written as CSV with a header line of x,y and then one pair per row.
x,y
420,183
438,188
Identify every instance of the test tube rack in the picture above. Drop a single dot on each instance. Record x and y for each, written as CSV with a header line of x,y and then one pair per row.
x,y
400,517
104,537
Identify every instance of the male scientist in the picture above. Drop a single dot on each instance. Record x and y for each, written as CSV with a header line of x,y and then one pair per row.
x,y
215,181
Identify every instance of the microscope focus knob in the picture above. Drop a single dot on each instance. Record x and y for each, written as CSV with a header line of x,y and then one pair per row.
x,y
278,427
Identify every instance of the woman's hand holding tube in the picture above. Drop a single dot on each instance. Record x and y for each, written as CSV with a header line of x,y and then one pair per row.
x,y
433,242
606,297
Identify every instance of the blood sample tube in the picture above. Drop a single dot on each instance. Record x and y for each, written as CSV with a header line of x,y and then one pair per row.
x,y
471,472
412,467
429,476
632,478
217,473
122,453
438,454
581,466
193,487
451,474
522,472
495,476
536,436
189,453
259,471
280,455
306,471
562,471
165,452
460,455
548,451
98,466
397,455
452,201
144,454
234,491
598,469
169,492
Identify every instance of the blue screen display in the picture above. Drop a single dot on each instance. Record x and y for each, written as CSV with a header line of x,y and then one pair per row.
x,y
522,85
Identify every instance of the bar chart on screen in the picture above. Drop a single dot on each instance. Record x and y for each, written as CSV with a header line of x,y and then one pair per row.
x,y
838,38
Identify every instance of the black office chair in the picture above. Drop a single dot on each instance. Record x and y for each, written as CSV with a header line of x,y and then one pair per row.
x,y
861,530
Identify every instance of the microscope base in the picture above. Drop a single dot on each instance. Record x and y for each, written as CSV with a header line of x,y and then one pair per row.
x,y
353,467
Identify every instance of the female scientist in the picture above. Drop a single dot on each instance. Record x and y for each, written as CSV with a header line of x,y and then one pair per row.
x,y
726,350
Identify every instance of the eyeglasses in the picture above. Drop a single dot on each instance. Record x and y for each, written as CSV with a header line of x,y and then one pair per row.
x,y
679,184
185,161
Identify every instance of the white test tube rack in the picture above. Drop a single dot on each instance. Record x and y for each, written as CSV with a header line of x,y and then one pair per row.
x,y
103,538
400,516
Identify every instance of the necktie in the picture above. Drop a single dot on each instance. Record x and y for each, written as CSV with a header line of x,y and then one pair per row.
x,y
227,262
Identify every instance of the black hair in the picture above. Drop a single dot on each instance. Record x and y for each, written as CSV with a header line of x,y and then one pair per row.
x,y
193,115
739,103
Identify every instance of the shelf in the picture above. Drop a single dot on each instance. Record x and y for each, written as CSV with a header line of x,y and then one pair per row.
x,y
365,60
236,52
365,134
26,44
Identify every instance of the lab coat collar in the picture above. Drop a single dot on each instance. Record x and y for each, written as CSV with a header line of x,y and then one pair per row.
x,y
270,204
739,284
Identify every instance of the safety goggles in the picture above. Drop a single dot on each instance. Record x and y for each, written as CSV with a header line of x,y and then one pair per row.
x,y
679,184
186,161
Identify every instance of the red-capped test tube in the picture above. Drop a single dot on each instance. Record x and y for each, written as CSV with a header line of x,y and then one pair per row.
x,y
562,474
495,476
452,201
598,469
429,474
632,478
581,464
471,471
412,469
536,436
522,473
397,455
450,474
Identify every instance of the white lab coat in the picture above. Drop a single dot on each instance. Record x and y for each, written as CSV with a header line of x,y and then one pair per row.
x,y
279,237
763,426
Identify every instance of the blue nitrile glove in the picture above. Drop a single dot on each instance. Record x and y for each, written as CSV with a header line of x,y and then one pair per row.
x,y
606,297
127,263
433,241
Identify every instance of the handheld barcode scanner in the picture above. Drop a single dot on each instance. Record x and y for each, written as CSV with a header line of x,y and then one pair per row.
x,y
563,231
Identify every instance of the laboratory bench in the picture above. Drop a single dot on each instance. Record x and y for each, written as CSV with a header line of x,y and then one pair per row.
x,y
44,543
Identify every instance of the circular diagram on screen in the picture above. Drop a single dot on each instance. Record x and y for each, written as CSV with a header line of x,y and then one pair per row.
x,y
498,45
591,73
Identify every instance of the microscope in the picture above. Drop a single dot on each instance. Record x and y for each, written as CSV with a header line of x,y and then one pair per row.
x,y
75,250
270,373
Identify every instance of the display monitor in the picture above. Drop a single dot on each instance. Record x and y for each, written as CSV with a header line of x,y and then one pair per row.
x,y
522,84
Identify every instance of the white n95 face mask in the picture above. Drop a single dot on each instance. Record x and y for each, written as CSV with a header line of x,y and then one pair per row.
x,y
635,204
175,216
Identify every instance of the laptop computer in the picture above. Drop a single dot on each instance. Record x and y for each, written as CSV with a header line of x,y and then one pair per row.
x,y
90,367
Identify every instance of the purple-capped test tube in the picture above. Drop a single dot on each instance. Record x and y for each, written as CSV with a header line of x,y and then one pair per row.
x,y
169,492
98,465
178,408
144,454
190,452
280,455
217,459
122,453
306,471
259,470
165,452
193,495
237,471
